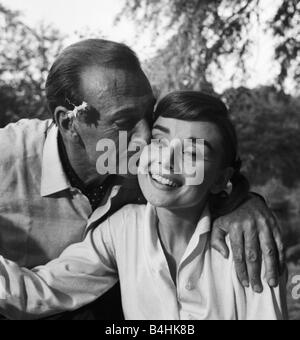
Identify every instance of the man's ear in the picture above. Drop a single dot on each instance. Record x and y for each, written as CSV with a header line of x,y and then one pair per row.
x,y
65,123
223,180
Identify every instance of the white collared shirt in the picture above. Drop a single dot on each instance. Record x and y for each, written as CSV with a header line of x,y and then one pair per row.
x,y
126,247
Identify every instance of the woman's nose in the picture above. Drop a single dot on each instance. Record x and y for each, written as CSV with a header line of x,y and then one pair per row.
x,y
172,156
168,158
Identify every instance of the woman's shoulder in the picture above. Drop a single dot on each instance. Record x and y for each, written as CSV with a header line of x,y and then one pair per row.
x,y
224,267
129,216
124,229
268,305
216,255
131,211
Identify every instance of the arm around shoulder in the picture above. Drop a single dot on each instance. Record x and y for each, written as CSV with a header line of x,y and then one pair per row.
x,y
268,305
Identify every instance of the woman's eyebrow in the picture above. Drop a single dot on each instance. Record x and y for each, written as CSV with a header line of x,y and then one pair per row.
x,y
161,128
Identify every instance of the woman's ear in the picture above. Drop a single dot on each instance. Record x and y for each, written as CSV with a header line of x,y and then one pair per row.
x,y
222,182
65,123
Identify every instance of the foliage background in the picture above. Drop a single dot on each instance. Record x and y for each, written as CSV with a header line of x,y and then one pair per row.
x,y
200,39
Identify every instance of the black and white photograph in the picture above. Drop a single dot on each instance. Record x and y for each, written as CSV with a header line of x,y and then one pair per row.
x,y
150,162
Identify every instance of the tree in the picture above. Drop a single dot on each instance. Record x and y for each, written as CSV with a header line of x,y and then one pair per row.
x,y
286,28
24,64
201,33
268,124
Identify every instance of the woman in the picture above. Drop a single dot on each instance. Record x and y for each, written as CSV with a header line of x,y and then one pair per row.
x,y
161,252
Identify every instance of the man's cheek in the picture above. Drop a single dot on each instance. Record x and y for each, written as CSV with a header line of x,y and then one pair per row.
x,y
145,161
94,152
106,157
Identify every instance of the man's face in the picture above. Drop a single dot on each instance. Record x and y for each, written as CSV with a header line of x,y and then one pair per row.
x,y
120,101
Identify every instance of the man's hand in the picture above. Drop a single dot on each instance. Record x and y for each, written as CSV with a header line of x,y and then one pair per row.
x,y
254,232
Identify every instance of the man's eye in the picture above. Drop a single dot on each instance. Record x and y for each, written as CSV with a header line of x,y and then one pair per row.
x,y
125,125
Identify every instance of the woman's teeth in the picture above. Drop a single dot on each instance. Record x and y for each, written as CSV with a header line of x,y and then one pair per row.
x,y
164,181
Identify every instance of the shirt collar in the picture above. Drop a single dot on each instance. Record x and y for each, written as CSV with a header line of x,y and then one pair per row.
x,y
54,179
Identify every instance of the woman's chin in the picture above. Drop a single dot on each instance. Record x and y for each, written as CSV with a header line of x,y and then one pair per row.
x,y
157,194
159,202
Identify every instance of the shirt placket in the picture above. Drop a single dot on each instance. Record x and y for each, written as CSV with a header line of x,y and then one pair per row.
x,y
188,276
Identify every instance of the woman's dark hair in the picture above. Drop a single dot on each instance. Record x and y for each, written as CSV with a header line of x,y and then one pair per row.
x,y
198,106
63,83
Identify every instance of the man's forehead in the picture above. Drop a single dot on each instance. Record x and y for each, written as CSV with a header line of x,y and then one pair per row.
x,y
100,83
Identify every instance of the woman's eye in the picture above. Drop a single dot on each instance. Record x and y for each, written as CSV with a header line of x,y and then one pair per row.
x,y
157,142
160,143
189,154
193,155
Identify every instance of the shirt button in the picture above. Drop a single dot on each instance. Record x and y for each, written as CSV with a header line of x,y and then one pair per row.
x,y
189,286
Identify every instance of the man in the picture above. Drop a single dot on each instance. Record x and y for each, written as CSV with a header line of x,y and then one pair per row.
x,y
50,185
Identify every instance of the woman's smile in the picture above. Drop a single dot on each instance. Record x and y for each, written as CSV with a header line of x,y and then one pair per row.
x,y
163,182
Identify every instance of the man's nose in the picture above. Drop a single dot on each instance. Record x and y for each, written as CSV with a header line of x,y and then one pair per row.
x,y
141,134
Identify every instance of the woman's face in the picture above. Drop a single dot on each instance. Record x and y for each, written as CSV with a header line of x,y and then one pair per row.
x,y
167,175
